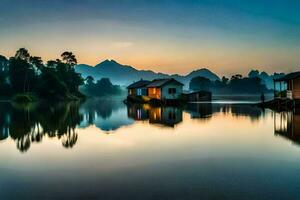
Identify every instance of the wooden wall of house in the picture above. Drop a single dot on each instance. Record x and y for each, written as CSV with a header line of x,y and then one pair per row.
x,y
167,95
131,92
296,88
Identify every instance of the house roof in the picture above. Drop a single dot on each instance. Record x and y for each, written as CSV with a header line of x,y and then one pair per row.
x,y
139,84
162,82
288,77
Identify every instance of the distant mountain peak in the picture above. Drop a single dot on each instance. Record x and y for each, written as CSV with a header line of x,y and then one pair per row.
x,y
125,74
205,73
108,62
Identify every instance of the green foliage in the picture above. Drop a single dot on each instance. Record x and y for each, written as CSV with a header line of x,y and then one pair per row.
x,y
24,98
22,75
5,88
200,83
102,87
236,85
55,80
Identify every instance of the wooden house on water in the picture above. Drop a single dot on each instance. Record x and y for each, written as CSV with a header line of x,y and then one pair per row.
x,y
289,87
138,88
165,89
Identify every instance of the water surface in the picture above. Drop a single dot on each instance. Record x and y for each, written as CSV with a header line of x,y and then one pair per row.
x,y
103,149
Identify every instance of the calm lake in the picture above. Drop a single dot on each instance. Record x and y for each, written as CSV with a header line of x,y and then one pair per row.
x,y
104,149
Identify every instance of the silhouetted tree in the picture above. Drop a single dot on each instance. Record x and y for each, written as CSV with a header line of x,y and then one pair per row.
x,y
225,80
253,74
21,72
22,54
69,58
102,87
89,81
37,63
200,83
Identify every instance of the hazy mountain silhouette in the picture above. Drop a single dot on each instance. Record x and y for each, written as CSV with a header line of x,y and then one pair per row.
x,y
125,75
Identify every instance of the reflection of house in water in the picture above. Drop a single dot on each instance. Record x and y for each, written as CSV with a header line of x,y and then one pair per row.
x,y
138,112
287,124
167,116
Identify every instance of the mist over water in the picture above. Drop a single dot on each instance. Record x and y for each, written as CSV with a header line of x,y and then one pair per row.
x,y
202,150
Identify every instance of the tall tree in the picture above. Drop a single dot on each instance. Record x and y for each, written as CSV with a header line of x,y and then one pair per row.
x,y
69,58
22,54
89,81
200,83
37,63
21,72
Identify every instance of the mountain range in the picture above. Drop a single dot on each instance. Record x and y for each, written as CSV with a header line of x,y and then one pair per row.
x,y
124,75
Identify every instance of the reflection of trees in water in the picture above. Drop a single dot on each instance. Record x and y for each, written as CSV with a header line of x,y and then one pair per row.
x,y
204,111
101,107
69,139
4,120
253,112
201,111
28,126
106,114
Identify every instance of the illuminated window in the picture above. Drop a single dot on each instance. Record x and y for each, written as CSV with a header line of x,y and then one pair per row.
x,y
154,90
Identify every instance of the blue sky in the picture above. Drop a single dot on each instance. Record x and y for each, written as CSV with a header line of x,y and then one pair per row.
x,y
175,36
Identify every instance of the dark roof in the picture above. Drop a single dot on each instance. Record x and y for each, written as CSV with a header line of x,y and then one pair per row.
x,y
139,84
289,76
161,82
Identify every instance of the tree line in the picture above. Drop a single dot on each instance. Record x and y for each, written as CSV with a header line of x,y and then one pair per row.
x,y
237,84
100,88
24,74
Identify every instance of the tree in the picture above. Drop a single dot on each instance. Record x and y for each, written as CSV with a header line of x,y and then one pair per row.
x,y
4,80
21,74
57,78
253,74
69,58
22,54
236,77
89,81
200,83
225,80
3,63
102,87
37,62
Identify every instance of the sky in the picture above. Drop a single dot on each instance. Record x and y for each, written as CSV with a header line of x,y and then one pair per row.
x,y
171,36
